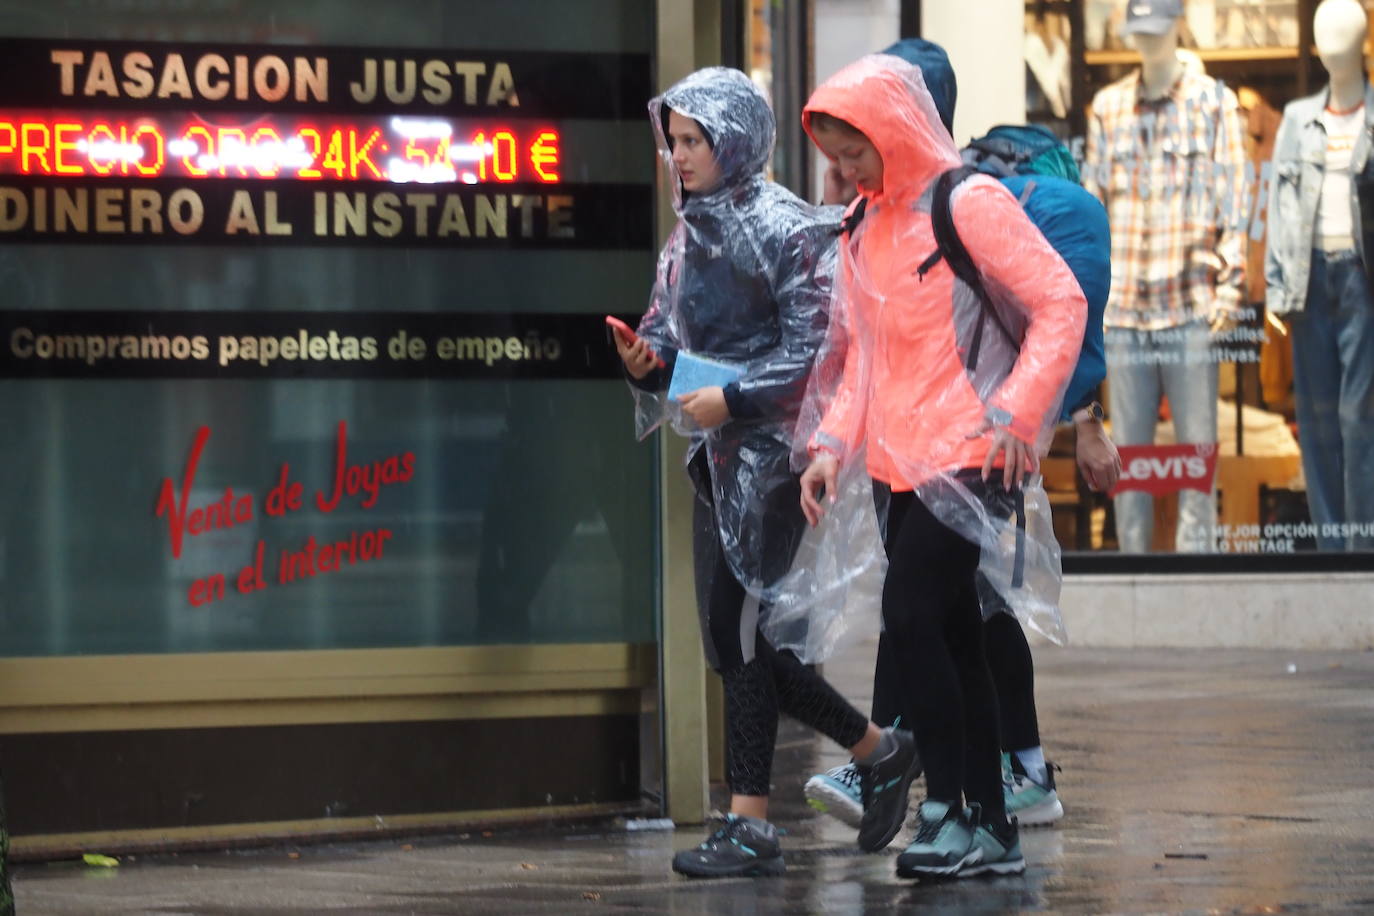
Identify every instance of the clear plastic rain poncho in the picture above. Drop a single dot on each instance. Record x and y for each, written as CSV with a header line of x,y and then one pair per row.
x,y
745,280
900,374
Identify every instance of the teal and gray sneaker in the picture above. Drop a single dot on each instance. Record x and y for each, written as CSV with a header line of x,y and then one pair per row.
x,y
1030,802
944,846
741,847
886,788
837,793
1001,849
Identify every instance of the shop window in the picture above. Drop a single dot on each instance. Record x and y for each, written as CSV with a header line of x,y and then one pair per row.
x,y
1275,471
505,475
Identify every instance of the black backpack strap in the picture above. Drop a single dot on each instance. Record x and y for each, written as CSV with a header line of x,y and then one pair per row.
x,y
851,222
947,241
951,248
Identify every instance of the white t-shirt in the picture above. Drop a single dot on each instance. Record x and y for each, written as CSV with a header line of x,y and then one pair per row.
x,y
1342,130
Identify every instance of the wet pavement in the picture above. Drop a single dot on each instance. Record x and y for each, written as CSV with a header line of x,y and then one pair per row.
x,y
1197,781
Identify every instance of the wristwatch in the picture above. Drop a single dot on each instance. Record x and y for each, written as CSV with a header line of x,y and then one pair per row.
x,y
999,416
1093,412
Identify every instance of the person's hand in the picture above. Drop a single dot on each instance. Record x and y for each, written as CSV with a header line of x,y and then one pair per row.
x,y
1019,459
1098,460
639,358
836,189
823,471
706,406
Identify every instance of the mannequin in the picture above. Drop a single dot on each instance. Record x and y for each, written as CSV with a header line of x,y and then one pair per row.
x,y
1338,29
1159,63
1166,156
1317,277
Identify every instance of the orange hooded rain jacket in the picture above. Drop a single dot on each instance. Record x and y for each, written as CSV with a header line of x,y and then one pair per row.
x,y
905,390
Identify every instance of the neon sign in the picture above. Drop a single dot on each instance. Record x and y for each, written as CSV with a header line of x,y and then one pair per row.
x,y
395,149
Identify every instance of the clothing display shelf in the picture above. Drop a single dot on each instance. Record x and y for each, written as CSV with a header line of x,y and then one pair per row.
x,y
1277,60
1207,55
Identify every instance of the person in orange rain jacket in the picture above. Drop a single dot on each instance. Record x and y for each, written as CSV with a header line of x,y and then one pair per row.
x,y
950,390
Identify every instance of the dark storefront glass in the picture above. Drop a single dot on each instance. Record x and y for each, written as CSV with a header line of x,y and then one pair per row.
x,y
530,512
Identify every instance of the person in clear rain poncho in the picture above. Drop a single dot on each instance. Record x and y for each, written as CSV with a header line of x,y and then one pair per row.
x,y
724,353
953,395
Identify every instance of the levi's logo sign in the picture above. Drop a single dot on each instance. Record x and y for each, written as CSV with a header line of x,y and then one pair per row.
x,y
1160,469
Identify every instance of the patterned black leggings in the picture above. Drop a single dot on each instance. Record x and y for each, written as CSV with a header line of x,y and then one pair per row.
x,y
757,688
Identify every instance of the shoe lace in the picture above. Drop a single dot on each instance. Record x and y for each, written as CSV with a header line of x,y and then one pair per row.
x,y
723,832
847,775
927,831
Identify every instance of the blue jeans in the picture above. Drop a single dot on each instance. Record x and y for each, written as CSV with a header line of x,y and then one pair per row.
x,y
1142,365
1333,373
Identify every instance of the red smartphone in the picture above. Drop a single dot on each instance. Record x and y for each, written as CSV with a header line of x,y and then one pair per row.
x,y
628,335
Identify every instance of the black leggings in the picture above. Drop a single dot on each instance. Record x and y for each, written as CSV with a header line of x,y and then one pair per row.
x,y
1004,644
759,680
934,626
1013,675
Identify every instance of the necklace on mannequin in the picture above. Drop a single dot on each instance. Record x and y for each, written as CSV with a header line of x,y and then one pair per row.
x,y
1342,112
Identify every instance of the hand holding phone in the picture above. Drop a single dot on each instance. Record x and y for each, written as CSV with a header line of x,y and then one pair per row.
x,y
631,348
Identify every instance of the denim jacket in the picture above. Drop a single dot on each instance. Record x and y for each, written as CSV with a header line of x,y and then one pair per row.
x,y
1296,190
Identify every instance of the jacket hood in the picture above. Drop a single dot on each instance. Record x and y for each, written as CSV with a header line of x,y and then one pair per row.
x,y
935,69
886,98
735,115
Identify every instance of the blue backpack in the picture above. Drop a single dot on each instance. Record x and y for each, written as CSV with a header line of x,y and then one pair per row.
x,y
1072,220
1021,150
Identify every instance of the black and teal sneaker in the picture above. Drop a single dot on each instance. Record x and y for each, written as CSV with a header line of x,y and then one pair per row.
x,y
742,847
837,792
885,786
1001,848
944,846
1032,803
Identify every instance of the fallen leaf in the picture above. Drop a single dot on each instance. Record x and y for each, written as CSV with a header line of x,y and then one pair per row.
x,y
95,858
487,833
590,895
407,847
293,855
529,866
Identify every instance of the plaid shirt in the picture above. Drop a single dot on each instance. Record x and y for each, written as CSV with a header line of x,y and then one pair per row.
x,y
1172,174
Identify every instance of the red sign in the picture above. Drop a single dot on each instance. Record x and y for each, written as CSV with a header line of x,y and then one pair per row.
x,y
394,149
1160,469
286,496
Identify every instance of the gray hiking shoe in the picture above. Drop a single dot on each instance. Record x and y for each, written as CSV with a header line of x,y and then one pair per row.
x,y
885,787
740,847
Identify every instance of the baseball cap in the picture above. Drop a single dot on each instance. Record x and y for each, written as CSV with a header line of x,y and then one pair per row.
x,y
1151,17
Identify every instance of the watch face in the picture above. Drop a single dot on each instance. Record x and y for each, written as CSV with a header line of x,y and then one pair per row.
x,y
1095,411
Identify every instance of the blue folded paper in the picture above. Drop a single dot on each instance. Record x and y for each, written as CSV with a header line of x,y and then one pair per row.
x,y
693,371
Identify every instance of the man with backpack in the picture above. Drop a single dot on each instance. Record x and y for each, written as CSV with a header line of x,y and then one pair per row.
x,y
1037,169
